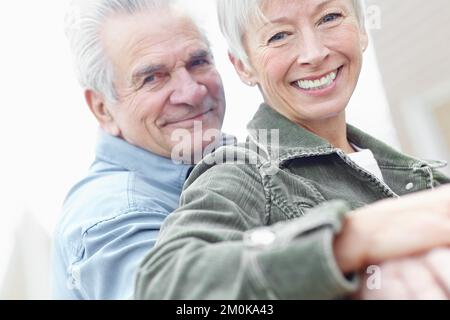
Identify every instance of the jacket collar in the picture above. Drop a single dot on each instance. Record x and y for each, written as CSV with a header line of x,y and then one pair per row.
x,y
295,141
386,156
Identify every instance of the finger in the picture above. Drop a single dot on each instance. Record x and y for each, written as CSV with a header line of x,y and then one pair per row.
x,y
392,285
420,280
393,289
438,261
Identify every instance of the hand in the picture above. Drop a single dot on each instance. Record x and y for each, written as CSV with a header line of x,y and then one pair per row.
x,y
394,228
417,278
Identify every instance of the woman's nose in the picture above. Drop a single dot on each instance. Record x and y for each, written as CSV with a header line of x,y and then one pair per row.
x,y
312,50
187,89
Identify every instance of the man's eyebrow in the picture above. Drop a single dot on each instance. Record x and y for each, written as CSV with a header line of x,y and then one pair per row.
x,y
145,71
151,69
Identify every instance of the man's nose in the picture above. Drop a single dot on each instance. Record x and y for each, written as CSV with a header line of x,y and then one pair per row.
x,y
312,50
187,89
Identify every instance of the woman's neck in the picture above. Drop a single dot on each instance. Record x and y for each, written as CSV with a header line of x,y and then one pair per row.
x,y
334,130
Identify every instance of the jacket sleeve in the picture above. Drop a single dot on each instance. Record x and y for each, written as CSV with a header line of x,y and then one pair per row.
x,y
217,246
440,178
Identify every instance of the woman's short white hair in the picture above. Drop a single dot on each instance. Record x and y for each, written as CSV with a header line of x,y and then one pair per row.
x,y
236,15
83,25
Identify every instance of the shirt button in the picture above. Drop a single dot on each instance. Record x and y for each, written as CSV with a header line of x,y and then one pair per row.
x,y
75,277
259,238
409,186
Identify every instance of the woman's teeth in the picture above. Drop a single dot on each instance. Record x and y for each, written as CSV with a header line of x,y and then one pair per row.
x,y
321,83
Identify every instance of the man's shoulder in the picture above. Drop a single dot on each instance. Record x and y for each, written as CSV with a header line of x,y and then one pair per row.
x,y
106,195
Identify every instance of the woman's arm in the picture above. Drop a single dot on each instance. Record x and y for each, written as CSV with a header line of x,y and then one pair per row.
x,y
394,228
213,247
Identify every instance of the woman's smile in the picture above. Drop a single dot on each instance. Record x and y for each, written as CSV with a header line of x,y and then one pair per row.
x,y
318,86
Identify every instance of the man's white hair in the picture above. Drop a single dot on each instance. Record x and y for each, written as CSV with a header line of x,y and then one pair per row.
x,y
83,27
236,15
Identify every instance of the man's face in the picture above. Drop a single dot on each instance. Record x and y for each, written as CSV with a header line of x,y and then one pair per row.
x,y
165,79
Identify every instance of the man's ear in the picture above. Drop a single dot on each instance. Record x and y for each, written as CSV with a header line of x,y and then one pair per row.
x,y
244,72
97,105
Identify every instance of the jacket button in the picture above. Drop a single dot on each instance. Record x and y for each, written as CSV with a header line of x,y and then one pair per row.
x,y
409,186
259,238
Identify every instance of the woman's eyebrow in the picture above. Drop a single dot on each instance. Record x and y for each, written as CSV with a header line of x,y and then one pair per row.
x,y
323,4
284,19
275,20
201,53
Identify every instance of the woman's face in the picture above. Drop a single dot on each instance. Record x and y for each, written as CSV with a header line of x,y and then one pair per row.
x,y
307,58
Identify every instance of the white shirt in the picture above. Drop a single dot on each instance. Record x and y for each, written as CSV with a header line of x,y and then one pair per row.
x,y
365,159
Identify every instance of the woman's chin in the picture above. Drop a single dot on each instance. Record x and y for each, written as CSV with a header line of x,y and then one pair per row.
x,y
322,112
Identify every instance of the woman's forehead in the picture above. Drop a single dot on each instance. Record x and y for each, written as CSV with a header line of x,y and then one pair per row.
x,y
269,11
270,8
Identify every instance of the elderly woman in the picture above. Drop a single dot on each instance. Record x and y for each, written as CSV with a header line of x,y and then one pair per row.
x,y
307,222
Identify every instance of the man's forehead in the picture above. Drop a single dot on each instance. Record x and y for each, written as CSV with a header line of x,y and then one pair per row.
x,y
147,38
148,27
170,51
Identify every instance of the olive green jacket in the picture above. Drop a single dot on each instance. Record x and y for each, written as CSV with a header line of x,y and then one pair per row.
x,y
263,228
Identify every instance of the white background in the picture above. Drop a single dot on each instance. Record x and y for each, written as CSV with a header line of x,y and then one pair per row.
x,y
47,135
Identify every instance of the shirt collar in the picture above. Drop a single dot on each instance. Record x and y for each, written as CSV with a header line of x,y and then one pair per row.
x,y
123,154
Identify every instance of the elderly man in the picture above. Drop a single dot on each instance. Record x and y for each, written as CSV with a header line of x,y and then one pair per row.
x,y
149,80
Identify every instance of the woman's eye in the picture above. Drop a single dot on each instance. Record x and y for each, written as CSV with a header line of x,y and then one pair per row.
x,y
331,17
279,36
199,62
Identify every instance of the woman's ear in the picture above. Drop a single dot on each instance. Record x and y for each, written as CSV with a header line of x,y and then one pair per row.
x,y
97,105
364,40
244,72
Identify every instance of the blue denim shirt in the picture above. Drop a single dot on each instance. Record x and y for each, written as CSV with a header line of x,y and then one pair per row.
x,y
111,219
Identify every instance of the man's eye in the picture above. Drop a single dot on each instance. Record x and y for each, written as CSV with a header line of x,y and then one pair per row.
x,y
150,79
279,36
331,17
